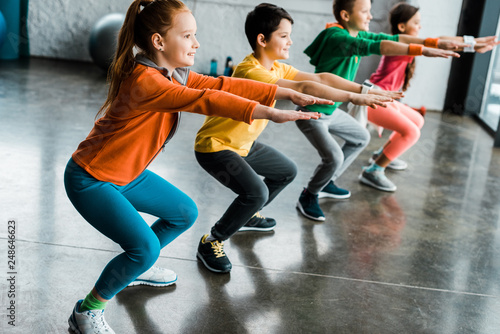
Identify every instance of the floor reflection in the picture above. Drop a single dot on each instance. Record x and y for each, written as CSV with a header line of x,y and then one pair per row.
x,y
421,260
373,229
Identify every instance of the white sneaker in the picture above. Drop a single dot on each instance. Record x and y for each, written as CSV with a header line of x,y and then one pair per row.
x,y
156,276
377,180
88,322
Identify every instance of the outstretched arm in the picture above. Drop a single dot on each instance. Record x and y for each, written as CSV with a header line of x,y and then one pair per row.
x,y
329,79
455,43
387,93
330,93
391,48
483,44
442,42
407,39
282,116
338,82
299,98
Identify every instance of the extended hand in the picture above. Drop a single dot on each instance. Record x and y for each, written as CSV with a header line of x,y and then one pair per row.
x,y
305,100
445,44
370,100
485,44
388,93
430,52
282,116
486,40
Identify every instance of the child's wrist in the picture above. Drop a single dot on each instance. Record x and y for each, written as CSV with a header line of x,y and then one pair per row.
x,y
350,97
431,42
262,112
270,112
471,41
415,49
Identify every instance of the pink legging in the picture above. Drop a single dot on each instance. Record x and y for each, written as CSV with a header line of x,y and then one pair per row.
x,y
403,121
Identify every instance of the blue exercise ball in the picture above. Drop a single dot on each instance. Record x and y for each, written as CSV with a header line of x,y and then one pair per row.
x,y
104,39
3,30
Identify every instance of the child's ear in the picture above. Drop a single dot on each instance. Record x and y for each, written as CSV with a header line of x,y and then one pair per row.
x,y
344,15
402,27
261,40
157,41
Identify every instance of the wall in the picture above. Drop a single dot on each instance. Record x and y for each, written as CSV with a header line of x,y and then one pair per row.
x,y
61,29
428,87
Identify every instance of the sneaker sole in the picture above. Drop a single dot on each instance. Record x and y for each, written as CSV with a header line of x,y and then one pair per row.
x,y
198,255
391,167
72,326
152,283
328,195
256,229
301,209
364,180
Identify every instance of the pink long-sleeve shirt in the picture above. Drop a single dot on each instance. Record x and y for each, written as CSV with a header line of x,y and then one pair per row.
x,y
390,74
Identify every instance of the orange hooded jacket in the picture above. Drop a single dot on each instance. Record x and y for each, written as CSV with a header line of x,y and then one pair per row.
x,y
144,116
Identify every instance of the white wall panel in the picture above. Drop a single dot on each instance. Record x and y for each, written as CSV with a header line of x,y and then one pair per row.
x,y
61,29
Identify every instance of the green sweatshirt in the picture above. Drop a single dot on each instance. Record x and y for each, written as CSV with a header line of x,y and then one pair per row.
x,y
335,51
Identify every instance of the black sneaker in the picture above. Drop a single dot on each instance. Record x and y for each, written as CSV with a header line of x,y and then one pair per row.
x,y
332,191
259,223
211,253
308,205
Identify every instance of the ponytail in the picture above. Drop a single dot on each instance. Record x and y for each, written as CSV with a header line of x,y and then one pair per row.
x,y
156,16
410,69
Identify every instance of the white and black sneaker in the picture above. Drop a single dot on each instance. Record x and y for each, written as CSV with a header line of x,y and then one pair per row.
x,y
156,276
332,191
212,255
308,206
88,322
259,223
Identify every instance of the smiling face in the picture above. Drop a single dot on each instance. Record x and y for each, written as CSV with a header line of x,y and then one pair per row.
x,y
359,18
278,45
412,26
179,43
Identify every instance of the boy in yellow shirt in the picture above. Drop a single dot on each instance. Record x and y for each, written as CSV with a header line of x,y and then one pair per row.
x,y
228,149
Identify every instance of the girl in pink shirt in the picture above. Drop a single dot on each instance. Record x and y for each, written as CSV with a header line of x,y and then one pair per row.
x,y
394,74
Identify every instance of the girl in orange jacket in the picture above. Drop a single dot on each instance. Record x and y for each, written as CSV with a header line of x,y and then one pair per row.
x,y
107,179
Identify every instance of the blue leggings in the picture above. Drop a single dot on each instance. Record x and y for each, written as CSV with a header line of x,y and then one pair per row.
x,y
114,211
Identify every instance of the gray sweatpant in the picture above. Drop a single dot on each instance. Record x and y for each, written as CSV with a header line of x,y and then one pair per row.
x,y
334,159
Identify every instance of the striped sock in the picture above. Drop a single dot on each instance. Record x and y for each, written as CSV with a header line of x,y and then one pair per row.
x,y
92,303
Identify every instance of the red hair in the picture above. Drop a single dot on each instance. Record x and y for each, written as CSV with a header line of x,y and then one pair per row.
x,y
156,16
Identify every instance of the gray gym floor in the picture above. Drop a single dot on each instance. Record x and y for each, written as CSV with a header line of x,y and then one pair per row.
x,y
424,259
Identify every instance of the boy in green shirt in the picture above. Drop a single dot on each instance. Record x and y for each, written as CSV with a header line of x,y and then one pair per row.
x,y
338,49
268,29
